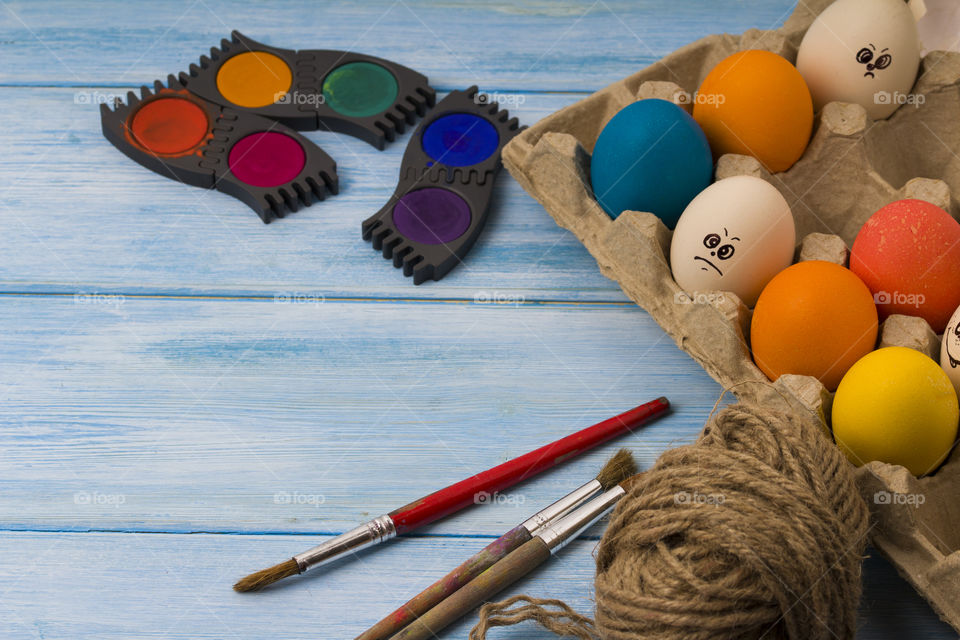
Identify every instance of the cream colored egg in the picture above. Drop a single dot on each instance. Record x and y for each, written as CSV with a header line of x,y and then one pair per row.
x,y
950,350
862,51
734,236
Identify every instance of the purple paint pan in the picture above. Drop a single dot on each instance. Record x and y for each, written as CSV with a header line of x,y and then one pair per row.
x,y
432,216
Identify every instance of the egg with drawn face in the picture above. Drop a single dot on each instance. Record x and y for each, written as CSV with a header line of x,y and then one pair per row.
x,y
862,51
950,350
735,236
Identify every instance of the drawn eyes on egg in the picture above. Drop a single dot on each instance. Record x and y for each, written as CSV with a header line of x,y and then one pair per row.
x,y
725,252
865,56
712,241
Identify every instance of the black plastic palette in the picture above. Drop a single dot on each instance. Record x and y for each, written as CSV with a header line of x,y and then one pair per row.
x,y
442,200
359,95
265,164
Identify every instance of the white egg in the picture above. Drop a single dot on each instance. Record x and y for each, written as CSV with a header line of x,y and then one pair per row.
x,y
950,350
734,236
862,51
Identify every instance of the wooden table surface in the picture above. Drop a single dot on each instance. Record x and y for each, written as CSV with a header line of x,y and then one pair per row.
x,y
189,394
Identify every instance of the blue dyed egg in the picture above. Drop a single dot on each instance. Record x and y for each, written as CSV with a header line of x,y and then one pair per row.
x,y
651,156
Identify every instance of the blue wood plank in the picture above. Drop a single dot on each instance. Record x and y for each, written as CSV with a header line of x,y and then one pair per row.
x,y
534,44
201,415
121,586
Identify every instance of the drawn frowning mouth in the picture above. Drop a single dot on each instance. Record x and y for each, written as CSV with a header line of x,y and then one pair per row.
x,y
709,263
869,73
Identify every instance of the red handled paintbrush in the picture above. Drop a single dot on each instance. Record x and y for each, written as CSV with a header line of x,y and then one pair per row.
x,y
457,496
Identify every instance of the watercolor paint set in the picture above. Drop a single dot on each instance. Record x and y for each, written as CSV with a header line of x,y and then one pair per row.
x,y
442,200
230,123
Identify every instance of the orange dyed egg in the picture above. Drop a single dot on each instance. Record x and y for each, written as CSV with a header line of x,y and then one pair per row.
x,y
815,318
756,103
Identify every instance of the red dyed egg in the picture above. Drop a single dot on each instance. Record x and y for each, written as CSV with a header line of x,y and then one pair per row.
x,y
908,254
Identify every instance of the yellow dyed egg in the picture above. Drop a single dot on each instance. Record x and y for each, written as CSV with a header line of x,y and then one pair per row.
x,y
896,405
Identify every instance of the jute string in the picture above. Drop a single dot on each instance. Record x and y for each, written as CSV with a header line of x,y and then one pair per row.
x,y
756,530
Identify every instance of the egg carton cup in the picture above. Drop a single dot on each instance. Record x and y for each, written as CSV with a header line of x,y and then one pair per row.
x,y
849,170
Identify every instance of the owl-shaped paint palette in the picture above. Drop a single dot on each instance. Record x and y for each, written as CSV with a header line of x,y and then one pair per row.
x,y
362,96
179,135
442,200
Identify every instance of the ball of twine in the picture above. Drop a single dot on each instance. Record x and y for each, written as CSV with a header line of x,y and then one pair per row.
x,y
757,530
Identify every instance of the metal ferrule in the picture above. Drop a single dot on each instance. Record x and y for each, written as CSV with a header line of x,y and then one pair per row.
x,y
535,523
558,534
366,535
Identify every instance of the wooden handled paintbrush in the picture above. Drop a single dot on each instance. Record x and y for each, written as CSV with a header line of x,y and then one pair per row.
x,y
516,565
617,469
457,496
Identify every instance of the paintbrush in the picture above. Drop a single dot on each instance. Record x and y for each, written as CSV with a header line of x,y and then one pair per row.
x,y
617,469
553,537
457,496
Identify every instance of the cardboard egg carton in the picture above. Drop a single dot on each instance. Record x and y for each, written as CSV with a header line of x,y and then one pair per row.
x,y
851,168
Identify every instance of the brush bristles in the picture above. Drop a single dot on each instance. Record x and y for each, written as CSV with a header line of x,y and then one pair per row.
x,y
620,467
261,579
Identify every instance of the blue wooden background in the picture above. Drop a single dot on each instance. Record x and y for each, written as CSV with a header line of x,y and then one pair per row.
x,y
187,395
